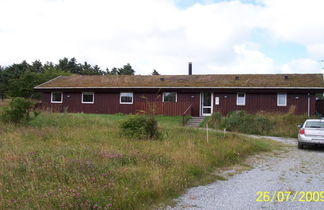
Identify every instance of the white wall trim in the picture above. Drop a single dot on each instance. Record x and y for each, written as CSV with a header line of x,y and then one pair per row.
x,y
56,102
84,102
200,104
120,96
308,104
237,97
176,98
285,99
211,105
217,100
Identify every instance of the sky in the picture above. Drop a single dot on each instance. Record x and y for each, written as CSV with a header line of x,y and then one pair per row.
x,y
217,36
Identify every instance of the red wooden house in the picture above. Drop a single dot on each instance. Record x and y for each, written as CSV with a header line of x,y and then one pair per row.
x,y
200,95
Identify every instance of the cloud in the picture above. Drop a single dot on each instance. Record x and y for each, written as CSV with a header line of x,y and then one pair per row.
x,y
247,59
155,33
302,66
300,21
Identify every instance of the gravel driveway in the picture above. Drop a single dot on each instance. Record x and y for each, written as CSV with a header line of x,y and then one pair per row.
x,y
290,170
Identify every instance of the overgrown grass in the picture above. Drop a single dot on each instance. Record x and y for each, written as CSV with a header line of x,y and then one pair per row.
x,y
4,102
272,124
286,124
79,161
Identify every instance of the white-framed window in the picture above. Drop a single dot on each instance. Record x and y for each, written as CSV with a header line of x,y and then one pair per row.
x,y
240,99
216,100
169,97
282,99
126,98
87,98
56,97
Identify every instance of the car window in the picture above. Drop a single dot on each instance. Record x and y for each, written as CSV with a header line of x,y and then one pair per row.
x,y
314,124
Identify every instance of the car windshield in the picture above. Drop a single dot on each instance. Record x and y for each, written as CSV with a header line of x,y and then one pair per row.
x,y
314,124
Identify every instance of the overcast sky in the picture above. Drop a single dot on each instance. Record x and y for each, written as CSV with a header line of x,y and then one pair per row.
x,y
218,36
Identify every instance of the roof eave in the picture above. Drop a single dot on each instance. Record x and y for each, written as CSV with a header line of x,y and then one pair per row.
x,y
303,88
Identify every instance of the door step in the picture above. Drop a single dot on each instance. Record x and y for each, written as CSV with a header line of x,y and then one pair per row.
x,y
195,122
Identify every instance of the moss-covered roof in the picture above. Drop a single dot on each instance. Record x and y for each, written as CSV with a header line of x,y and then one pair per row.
x,y
221,80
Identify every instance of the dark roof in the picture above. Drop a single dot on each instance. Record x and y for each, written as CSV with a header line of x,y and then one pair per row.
x,y
217,81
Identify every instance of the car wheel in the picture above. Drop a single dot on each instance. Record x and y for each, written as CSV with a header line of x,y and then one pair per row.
x,y
300,145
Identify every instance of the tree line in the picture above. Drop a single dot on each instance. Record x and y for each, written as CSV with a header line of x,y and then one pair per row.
x,y
19,80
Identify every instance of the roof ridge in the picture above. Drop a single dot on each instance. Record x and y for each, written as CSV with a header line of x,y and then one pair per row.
x,y
49,81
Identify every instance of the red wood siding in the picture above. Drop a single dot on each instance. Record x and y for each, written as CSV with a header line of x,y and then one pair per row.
x,y
267,102
145,102
320,107
108,103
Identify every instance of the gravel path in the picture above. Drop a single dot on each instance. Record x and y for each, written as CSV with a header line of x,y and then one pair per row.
x,y
289,170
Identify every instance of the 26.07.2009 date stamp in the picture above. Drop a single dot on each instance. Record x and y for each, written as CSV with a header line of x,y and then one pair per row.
x,y
287,196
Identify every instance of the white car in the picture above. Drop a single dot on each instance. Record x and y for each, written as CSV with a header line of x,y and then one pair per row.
x,y
311,133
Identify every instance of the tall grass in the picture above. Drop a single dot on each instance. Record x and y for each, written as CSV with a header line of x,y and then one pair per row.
x,y
272,124
285,125
4,102
79,161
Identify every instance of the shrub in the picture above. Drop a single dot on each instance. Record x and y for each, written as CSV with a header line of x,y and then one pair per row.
x,y
285,124
262,123
215,120
241,121
18,111
244,122
140,126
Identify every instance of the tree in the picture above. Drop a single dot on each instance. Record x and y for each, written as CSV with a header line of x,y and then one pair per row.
x,y
24,85
15,70
87,69
155,72
114,71
69,65
37,66
97,70
126,70
11,72
19,80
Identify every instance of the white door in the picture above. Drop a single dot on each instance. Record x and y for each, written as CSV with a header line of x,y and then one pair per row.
x,y
206,104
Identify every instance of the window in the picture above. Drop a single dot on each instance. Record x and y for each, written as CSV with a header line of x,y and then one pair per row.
x,y
314,124
126,98
240,100
56,97
217,100
282,99
87,98
169,97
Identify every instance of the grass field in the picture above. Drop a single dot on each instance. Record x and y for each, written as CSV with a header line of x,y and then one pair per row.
x,y
80,161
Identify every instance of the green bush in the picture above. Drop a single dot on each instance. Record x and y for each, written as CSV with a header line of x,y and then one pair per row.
x,y
18,111
140,126
244,122
241,121
285,125
272,124
215,120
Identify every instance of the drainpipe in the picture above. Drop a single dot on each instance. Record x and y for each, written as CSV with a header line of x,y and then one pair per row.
x,y
308,105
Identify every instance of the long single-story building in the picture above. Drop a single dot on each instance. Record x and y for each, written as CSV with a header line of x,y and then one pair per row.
x,y
198,95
